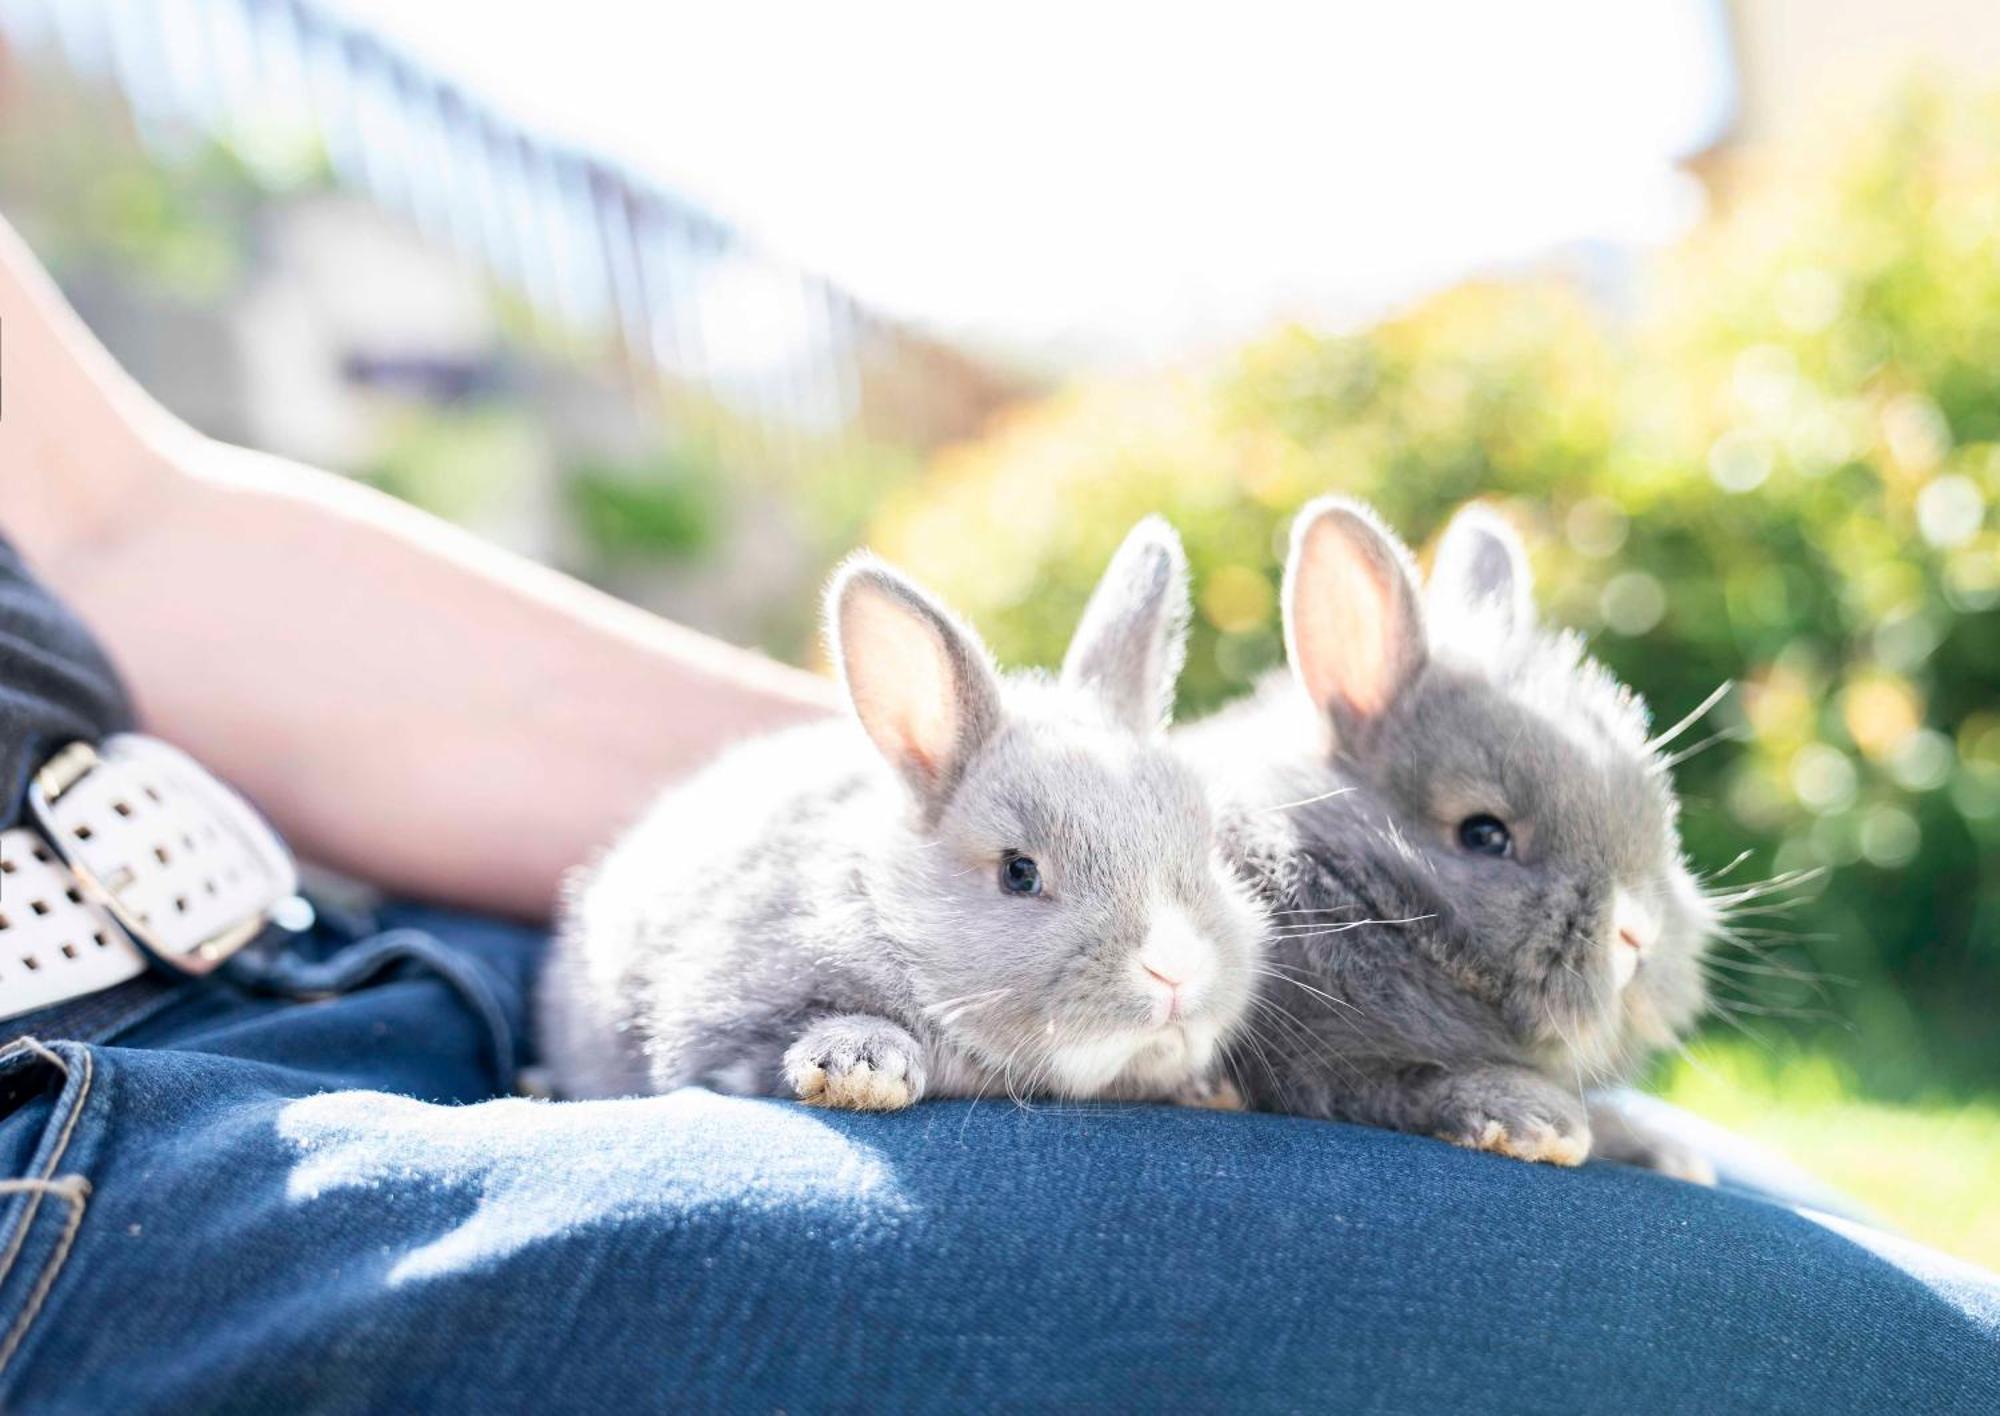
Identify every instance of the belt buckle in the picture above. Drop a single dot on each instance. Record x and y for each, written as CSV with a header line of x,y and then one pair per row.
x,y
182,863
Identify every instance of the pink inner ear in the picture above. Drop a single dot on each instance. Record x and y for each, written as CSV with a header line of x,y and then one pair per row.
x,y
901,683
1348,617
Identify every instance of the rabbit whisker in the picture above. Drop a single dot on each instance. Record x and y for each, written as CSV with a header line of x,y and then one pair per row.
x,y
1741,856
1778,908
1575,1054
1745,975
1264,1059
1757,889
1234,1076
947,1013
1311,931
1317,993
1673,760
1815,981
1689,1056
1007,1076
1769,1010
1701,711
1314,1045
1716,1009
1750,938
1305,801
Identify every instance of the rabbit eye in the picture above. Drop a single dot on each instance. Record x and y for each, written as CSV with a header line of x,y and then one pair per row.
x,y
1019,875
1486,835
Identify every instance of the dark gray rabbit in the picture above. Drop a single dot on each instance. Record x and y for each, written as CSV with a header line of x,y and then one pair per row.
x,y
1470,851
980,883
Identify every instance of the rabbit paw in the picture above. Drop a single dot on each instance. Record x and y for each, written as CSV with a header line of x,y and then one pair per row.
x,y
1682,1162
1625,1139
1514,1114
856,1063
1212,1094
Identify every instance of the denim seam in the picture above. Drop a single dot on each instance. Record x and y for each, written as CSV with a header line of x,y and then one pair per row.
x,y
74,1190
77,1197
55,1158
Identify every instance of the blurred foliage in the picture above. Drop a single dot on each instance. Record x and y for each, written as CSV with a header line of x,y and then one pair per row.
x,y
1779,468
666,506
454,461
767,511
173,216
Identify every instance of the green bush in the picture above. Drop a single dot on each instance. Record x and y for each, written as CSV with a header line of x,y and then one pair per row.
x,y
665,508
1778,468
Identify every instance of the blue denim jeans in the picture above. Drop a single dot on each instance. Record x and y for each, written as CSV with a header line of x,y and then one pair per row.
x,y
330,1202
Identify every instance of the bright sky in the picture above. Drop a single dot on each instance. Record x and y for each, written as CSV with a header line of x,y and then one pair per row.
x,y
1113,177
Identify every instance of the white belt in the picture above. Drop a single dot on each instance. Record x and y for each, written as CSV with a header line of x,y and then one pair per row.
x,y
141,859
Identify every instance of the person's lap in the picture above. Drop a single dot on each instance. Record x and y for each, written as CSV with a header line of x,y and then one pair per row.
x,y
252,1202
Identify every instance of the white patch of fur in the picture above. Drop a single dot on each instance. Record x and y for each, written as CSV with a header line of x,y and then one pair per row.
x,y
1151,1063
1630,915
1176,950
1624,963
1085,1068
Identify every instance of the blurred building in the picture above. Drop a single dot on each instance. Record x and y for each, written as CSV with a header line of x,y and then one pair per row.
x,y
1794,58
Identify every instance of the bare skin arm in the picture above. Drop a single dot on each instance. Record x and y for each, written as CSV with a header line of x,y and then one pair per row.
x,y
409,704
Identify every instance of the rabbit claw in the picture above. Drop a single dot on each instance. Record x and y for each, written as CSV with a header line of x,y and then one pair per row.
x,y
855,1063
1515,1115
1534,1139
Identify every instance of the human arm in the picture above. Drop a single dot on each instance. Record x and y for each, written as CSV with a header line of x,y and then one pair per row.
x,y
407,703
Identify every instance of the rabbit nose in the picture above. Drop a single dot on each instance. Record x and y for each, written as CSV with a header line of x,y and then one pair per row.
x,y
1175,1004
1173,958
1634,930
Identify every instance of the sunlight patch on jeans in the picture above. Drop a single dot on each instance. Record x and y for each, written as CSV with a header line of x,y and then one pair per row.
x,y
1965,1286
536,1171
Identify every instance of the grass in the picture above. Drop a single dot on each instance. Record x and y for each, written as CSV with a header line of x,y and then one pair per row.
x,y
1930,1169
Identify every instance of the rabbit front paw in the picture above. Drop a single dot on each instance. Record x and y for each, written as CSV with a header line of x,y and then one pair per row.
x,y
854,1062
1513,1113
1210,1094
1626,1139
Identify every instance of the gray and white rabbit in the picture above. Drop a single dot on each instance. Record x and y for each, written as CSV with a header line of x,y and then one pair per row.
x,y
1470,851
981,883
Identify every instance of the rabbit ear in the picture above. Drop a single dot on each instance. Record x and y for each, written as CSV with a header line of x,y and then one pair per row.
x,y
1130,645
920,680
1480,578
1354,627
